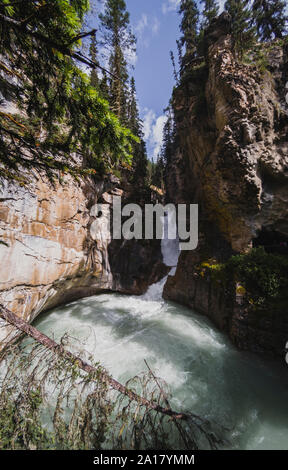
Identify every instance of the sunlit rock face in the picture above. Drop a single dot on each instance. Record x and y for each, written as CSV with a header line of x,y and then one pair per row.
x,y
55,248
46,249
232,121
232,159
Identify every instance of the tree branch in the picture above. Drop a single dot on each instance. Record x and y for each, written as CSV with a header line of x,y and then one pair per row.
x,y
49,42
83,35
48,343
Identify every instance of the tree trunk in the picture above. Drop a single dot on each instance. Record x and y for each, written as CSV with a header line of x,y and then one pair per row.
x,y
58,349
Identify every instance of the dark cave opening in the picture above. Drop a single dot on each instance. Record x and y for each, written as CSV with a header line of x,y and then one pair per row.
x,y
272,241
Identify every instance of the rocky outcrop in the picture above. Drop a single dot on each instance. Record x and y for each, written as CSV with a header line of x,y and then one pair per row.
x,y
232,129
256,331
135,266
54,247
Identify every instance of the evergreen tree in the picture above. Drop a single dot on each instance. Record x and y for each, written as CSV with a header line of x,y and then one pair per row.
x,y
132,108
158,173
59,113
189,29
140,160
270,18
210,11
117,35
175,73
94,81
243,31
180,55
104,87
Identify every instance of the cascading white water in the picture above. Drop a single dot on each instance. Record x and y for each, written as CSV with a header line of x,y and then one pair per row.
x,y
170,253
170,247
206,374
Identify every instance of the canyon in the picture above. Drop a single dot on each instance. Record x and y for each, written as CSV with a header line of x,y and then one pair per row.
x,y
231,159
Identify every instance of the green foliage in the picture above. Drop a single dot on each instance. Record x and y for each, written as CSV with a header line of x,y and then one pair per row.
x,y
264,276
158,173
270,18
93,51
20,426
140,160
260,53
189,28
243,31
48,402
169,135
211,10
120,42
64,123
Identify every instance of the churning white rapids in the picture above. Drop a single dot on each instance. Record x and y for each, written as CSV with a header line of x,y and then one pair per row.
x,y
206,374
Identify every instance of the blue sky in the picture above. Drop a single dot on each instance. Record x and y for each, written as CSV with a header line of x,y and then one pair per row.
x,y
156,25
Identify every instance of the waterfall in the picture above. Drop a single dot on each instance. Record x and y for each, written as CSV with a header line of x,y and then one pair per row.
x,y
170,249
204,372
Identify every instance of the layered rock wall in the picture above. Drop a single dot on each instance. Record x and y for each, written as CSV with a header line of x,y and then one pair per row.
x,y
54,247
232,128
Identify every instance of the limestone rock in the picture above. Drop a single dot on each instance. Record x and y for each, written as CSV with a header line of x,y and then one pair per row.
x,y
232,159
54,246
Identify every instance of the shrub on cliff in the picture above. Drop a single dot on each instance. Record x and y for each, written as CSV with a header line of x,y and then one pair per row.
x,y
264,276
261,277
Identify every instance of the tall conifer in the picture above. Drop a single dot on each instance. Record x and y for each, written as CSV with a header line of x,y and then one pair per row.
x,y
271,18
210,11
189,25
118,36
93,56
243,31
139,148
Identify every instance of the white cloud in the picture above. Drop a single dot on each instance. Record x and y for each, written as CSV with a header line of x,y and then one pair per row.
x,y
146,27
149,118
142,24
131,57
155,25
157,135
153,130
221,5
170,5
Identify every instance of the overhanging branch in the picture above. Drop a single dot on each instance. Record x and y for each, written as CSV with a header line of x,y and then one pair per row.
x,y
49,42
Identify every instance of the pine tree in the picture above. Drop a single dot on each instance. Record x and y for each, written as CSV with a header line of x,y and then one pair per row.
x,y
158,174
133,113
104,87
119,38
94,81
210,11
243,31
270,18
140,160
59,113
168,146
175,73
179,50
189,29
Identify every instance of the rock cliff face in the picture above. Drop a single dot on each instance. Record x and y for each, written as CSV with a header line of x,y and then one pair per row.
x,y
54,248
232,131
